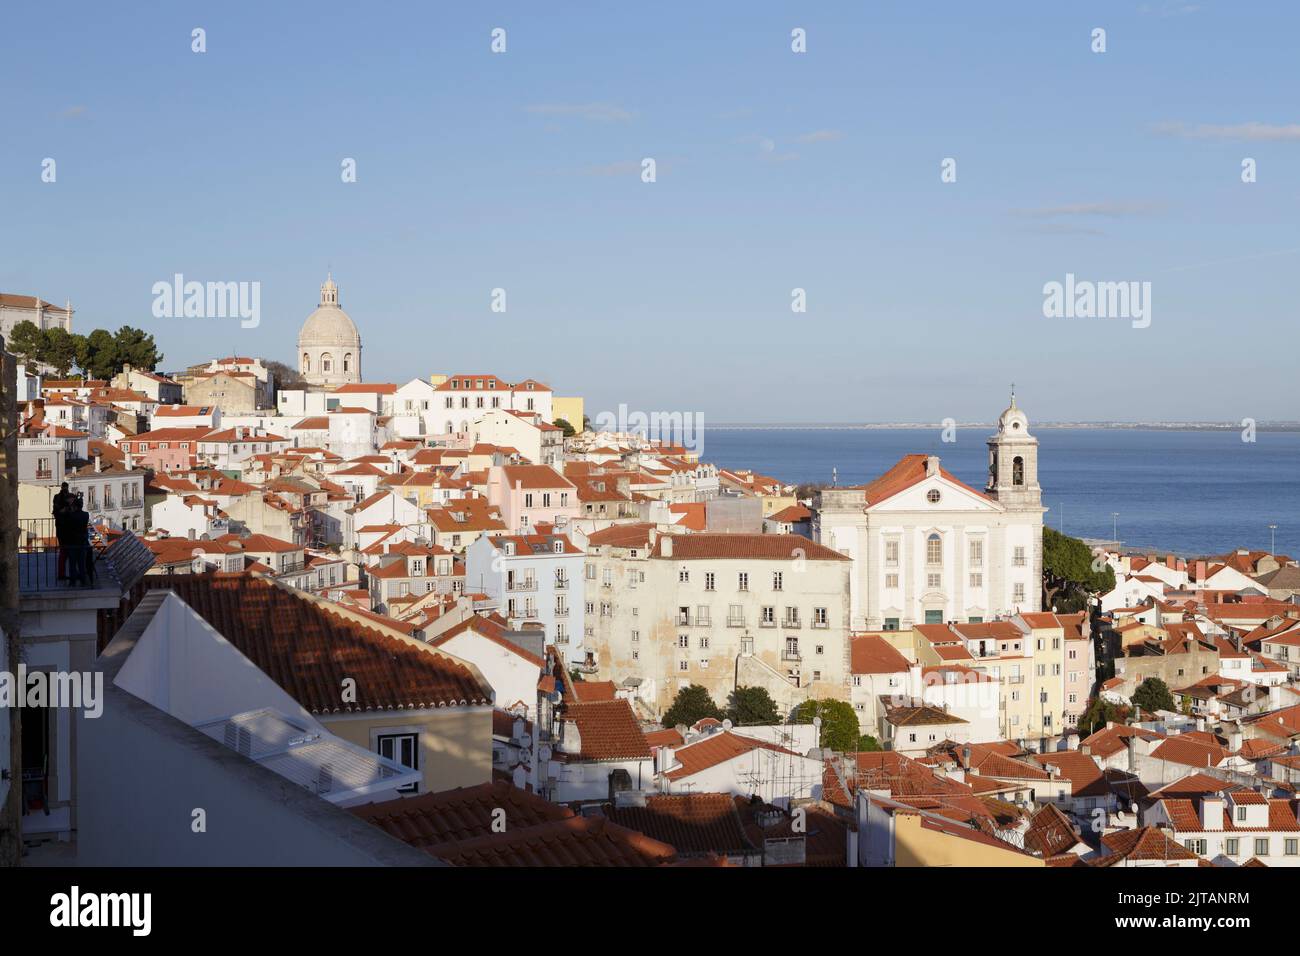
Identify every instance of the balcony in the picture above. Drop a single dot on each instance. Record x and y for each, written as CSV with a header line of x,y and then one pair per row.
x,y
821,624
561,584
791,655
790,624
766,623
527,585
115,568
735,621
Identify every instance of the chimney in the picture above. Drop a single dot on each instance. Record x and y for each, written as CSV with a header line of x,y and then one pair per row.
x,y
931,465
1212,812
1132,753
666,546
664,758
98,465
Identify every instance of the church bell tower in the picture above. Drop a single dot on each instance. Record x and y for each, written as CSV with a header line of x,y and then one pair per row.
x,y
1013,462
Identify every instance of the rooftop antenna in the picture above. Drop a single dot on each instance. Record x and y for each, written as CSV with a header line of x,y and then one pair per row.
x,y
835,476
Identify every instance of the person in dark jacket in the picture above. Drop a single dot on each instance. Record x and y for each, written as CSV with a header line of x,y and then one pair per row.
x,y
78,527
62,507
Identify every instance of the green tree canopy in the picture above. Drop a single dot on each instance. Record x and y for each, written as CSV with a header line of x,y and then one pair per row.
x,y
691,704
839,722
59,350
1099,713
97,354
1070,572
749,706
26,341
1152,695
564,426
868,744
136,348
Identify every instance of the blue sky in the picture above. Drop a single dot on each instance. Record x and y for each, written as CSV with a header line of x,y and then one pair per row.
x,y
775,171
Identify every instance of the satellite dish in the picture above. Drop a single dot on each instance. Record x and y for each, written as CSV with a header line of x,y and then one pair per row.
x,y
726,724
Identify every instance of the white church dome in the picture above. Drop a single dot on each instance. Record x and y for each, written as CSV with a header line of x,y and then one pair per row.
x,y
329,324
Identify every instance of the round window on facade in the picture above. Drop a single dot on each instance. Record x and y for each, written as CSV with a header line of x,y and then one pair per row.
x,y
932,495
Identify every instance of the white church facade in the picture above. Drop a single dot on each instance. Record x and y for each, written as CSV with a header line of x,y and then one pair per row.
x,y
929,549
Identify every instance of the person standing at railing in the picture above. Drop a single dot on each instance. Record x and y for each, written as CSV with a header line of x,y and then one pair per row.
x,y
78,525
62,507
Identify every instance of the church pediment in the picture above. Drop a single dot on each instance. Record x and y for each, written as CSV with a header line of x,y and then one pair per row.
x,y
936,494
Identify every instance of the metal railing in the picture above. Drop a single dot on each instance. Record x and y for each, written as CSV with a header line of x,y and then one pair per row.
x,y
44,565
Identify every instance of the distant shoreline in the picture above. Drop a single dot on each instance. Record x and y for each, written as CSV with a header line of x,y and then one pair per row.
x,y
1121,426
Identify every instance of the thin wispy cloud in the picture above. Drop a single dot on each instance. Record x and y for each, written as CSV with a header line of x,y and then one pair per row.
x,y
821,136
72,112
1252,132
1063,229
595,112
1107,209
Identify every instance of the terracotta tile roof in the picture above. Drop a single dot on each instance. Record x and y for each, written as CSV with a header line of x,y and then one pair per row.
x,y
694,515
433,819
909,470
635,535
1146,844
1050,832
715,749
872,654
533,476
588,692
1081,770
669,737
608,730
1192,753
693,823
991,762
825,839
902,776
921,714
762,547
382,388
575,841
1192,785
1184,815
489,630
308,648
1111,740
